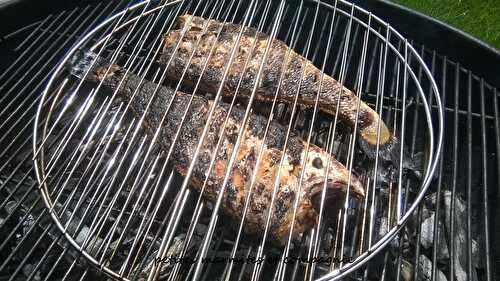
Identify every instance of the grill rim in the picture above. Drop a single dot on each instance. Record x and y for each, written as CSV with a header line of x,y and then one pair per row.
x,y
434,144
482,59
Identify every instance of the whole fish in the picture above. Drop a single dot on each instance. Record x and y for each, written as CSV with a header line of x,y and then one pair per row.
x,y
198,35
240,178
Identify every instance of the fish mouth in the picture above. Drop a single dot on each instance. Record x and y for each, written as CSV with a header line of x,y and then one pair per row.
x,y
335,192
316,185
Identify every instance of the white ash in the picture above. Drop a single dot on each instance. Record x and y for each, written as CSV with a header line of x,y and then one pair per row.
x,y
460,239
28,270
424,271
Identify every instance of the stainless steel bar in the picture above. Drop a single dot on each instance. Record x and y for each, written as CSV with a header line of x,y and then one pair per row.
x,y
161,229
94,174
373,180
42,259
412,151
183,188
30,251
38,25
485,198
469,179
114,56
100,222
137,126
15,127
257,269
438,215
371,65
343,72
11,193
54,266
80,158
12,75
455,173
108,244
289,239
21,221
21,242
214,252
211,226
134,209
75,123
71,98
335,242
148,226
101,13
104,192
360,89
128,104
318,230
259,157
211,165
26,51
403,206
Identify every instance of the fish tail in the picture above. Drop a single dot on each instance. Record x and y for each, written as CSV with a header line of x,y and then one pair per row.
x,y
388,151
83,62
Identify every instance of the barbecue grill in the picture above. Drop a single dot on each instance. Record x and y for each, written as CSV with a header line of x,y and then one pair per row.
x,y
36,248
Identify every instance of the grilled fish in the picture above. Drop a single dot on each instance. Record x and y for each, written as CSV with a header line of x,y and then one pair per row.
x,y
239,184
296,67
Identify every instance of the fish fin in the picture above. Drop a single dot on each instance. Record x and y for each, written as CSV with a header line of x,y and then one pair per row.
x,y
389,152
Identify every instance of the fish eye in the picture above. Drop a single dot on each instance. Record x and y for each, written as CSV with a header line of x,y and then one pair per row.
x,y
317,163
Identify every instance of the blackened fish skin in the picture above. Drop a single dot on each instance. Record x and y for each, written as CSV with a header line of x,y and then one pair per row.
x,y
330,90
239,184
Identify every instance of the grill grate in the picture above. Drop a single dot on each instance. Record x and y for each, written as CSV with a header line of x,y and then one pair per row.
x,y
130,162
36,249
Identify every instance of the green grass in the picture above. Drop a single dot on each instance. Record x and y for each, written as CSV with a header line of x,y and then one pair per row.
x,y
481,18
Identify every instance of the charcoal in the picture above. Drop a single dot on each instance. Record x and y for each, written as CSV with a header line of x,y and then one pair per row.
x,y
28,269
460,239
406,271
427,237
10,207
174,250
384,228
425,270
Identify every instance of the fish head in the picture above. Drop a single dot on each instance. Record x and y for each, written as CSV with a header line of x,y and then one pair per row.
x,y
325,173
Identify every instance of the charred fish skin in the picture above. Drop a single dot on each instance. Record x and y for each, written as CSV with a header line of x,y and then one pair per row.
x,y
234,197
298,68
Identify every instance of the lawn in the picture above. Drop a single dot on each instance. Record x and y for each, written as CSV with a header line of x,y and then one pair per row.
x,y
481,18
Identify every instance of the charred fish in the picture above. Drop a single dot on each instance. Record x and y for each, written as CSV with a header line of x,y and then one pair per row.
x,y
213,40
336,179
